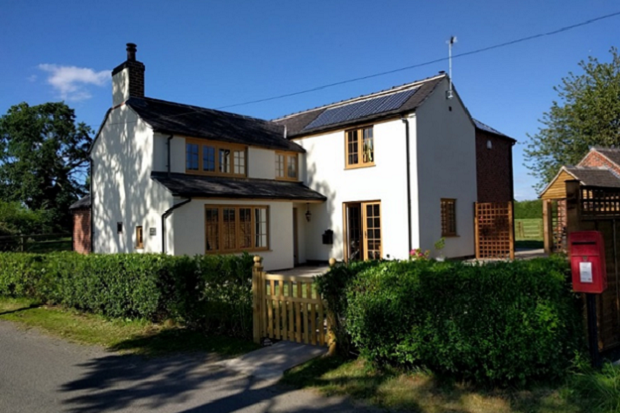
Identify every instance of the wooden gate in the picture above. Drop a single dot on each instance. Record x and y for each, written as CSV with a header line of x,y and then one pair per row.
x,y
287,307
494,230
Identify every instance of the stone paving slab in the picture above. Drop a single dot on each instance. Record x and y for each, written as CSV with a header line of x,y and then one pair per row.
x,y
271,362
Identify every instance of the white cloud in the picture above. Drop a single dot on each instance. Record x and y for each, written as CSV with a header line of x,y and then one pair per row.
x,y
72,82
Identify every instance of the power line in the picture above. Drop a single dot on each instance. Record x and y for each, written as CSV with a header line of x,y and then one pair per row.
x,y
484,49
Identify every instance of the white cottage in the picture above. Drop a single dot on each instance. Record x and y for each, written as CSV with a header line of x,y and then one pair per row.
x,y
366,178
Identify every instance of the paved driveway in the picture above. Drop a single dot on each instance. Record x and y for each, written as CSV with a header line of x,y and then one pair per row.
x,y
43,374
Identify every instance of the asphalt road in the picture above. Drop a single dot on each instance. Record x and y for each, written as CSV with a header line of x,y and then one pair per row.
x,y
39,373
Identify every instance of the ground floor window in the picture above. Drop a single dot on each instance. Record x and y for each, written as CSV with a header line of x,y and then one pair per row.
x,y
236,228
448,217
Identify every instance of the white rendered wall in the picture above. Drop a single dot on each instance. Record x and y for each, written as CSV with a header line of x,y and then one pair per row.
x,y
385,182
446,157
122,188
189,235
120,87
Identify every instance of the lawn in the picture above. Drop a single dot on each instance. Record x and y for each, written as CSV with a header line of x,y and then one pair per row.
x,y
419,391
132,336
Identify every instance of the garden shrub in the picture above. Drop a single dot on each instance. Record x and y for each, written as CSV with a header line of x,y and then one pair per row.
x,y
212,293
498,323
333,286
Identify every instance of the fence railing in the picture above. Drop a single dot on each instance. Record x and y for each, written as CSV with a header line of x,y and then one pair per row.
x,y
529,229
36,242
288,307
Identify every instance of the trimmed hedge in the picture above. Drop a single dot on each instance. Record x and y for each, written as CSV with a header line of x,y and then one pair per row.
x,y
500,323
213,293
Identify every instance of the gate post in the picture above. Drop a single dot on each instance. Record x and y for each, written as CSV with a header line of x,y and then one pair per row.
x,y
331,321
257,298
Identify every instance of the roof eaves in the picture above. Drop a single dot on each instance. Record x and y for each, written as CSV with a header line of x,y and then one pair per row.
x,y
563,168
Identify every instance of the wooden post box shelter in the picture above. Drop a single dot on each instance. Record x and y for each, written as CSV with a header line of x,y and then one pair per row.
x,y
584,199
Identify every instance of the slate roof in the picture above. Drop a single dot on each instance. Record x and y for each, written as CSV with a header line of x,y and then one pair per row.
x,y
176,118
82,203
302,123
596,177
486,128
222,187
613,154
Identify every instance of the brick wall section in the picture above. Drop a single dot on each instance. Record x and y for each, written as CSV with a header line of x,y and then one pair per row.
x,y
136,78
493,168
595,159
81,231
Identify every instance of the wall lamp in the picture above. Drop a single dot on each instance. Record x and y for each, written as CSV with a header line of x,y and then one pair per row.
x,y
308,213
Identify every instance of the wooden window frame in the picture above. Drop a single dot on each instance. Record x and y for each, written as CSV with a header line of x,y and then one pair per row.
x,y
220,228
359,132
286,156
217,147
139,237
448,217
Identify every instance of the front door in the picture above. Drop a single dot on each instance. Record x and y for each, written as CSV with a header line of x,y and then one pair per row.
x,y
363,231
295,245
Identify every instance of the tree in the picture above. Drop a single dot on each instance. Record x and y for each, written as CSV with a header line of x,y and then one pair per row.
x,y
587,115
43,158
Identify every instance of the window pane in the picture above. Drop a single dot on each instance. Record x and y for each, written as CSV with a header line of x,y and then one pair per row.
x,y
245,227
239,162
191,157
208,158
352,158
225,161
292,167
260,222
212,229
369,150
279,166
229,240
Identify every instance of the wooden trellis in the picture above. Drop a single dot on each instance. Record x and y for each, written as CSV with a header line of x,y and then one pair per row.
x,y
494,230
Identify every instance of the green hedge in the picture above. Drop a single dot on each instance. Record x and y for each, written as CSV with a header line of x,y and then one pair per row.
x,y
500,323
208,292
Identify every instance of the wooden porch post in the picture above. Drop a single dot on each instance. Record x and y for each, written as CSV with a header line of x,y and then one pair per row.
x,y
547,226
573,206
257,298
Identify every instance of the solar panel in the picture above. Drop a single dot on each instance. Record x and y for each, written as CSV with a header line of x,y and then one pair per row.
x,y
362,109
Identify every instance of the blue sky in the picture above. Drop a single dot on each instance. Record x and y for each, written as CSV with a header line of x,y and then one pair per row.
x,y
216,54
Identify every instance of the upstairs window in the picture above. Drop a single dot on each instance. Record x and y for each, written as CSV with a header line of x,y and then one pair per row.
x,y
287,167
448,217
359,147
214,158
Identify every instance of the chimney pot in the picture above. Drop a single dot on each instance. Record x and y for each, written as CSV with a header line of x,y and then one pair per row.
x,y
131,52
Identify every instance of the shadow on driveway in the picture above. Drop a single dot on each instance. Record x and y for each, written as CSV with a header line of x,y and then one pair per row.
x,y
183,383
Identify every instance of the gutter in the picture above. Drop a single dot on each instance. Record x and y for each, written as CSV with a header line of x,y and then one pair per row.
x,y
92,204
168,145
406,122
163,222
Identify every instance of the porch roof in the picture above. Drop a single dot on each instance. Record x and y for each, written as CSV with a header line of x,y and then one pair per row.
x,y
597,177
235,188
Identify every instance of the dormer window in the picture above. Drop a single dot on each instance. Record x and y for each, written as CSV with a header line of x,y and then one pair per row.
x,y
287,167
214,158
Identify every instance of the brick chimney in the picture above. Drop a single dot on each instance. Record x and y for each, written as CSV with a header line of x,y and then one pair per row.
x,y
128,78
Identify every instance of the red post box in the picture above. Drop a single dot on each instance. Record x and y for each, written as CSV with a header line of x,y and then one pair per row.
x,y
587,261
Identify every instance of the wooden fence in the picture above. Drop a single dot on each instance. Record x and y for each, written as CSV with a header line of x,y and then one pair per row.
x,y
287,307
39,243
529,229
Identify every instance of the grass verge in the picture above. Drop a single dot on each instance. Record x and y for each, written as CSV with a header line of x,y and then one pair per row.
x,y
596,392
132,336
